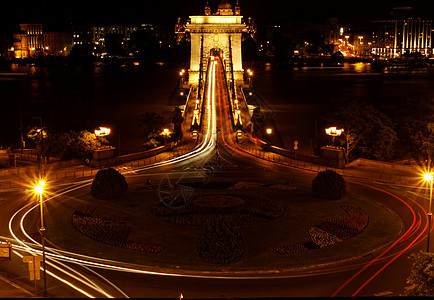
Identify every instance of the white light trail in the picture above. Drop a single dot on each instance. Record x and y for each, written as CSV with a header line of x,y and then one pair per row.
x,y
208,144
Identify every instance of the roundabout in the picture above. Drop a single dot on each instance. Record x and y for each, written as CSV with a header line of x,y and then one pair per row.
x,y
284,232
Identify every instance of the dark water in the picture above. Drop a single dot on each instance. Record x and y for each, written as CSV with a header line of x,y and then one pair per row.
x,y
87,97
298,96
116,96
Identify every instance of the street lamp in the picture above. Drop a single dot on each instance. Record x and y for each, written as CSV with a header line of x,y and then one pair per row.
x,y
102,131
269,131
334,132
39,189
429,177
165,133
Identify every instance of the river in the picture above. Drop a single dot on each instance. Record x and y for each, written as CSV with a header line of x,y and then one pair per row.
x,y
116,96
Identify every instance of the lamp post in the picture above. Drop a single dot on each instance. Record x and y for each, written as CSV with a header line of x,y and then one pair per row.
x,y
334,132
102,131
165,133
429,177
39,189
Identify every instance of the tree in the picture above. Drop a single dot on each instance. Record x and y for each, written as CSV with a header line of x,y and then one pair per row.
x,y
152,124
422,275
367,132
415,126
71,144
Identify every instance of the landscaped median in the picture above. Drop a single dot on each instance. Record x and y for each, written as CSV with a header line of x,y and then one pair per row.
x,y
263,226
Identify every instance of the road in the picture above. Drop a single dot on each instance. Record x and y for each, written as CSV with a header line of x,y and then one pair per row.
x,y
381,272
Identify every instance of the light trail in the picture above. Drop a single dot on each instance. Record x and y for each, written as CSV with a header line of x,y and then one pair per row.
x,y
206,147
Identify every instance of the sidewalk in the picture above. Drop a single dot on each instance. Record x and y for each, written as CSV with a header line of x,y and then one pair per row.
x,y
9,289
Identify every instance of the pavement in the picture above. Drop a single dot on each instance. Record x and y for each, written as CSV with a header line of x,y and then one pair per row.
x,y
11,289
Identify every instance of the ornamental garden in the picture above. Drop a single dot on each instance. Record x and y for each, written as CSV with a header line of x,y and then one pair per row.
x,y
232,224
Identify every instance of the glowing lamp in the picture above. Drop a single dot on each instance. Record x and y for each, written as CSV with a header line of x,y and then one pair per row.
x,y
428,176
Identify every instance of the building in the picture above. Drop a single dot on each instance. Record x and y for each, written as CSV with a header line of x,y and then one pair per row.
x,y
96,36
29,42
403,34
82,35
33,41
57,43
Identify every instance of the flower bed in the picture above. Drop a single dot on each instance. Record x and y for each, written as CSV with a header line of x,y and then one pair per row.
x,y
85,210
250,185
244,185
254,211
331,232
102,230
220,243
322,238
142,247
107,231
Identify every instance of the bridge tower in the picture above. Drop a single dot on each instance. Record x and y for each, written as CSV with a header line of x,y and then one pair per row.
x,y
217,34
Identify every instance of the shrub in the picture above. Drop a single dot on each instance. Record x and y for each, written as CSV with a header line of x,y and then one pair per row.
x,y
108,184
422,275
328,185
220,243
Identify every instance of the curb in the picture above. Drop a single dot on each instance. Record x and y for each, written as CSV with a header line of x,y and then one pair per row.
x,y
18,287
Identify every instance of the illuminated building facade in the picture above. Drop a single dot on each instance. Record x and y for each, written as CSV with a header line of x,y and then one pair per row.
x,y
33,41
29,41
216,34
404,34
96,36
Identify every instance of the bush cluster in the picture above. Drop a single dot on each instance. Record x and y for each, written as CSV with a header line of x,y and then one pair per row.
x,y
328,185
109,184
220,243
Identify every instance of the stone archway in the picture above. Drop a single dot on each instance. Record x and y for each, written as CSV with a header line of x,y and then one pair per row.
x,y
216,52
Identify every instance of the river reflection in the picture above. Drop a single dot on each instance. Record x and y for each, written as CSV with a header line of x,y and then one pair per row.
x,y
299,96
116,96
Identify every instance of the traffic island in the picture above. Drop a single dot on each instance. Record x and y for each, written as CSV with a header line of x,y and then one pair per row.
x,y
302,219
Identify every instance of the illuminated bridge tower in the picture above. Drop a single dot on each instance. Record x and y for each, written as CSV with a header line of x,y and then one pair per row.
x,y
216,34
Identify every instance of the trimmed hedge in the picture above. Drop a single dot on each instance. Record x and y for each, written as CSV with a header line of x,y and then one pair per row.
x,y
328,185
109,184
220,243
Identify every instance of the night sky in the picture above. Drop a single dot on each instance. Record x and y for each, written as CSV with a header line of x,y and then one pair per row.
x,y
167,12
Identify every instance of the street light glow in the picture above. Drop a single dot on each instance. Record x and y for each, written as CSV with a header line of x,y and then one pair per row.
x,y
269,130
428,176
39,189
102,131
333,131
